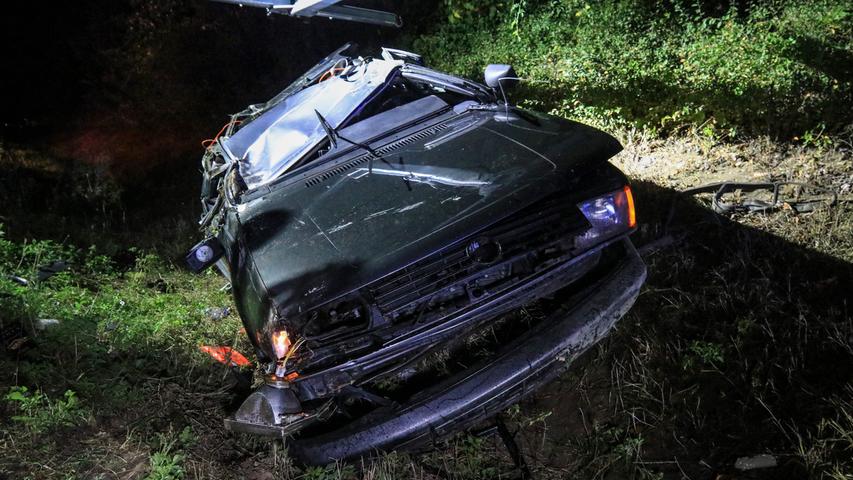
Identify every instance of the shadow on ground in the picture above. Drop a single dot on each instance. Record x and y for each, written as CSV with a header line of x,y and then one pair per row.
x,y
740,344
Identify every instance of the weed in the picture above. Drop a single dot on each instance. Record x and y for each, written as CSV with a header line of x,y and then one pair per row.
x,y
707,352
39,413
166,465
817,138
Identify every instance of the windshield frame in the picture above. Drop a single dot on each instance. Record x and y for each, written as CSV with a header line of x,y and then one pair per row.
x,y
475,91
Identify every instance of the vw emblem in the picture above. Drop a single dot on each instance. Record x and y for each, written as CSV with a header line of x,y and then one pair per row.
x,y
484,251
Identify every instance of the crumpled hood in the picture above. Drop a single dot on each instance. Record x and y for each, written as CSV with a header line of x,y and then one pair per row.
x,y
312,243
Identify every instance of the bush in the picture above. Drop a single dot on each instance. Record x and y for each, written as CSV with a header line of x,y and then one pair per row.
x,y
779,68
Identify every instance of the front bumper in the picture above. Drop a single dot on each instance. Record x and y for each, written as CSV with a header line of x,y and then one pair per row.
x,y
481,392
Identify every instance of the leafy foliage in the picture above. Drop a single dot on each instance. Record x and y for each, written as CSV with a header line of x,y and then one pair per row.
x,y
40,413
767,67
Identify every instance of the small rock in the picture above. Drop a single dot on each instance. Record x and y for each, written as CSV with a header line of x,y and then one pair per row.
x,y
45,323
755,462
647,161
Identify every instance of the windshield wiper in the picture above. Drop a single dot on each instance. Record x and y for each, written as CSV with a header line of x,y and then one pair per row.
x,y
330,130
333,135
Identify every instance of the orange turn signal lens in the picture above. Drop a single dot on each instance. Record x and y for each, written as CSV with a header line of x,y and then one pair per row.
x,y
632,214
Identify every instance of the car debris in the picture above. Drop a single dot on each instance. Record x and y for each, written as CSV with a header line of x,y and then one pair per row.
x,y
13,337
798,202
43,273
19,280
374,215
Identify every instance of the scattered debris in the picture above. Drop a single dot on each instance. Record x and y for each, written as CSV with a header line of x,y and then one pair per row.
x,y
799,202
217,314
756,462
659,244
12,336
226,356
327,9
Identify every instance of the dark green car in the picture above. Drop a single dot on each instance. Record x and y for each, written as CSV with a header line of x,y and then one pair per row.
x,y
384,225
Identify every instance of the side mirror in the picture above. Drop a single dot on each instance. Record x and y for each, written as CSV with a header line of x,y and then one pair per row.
x,y
500,76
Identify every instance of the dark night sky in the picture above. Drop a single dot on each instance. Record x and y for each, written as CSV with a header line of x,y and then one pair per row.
x,y
133,84
105,103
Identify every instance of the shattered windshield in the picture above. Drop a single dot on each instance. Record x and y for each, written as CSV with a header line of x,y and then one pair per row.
x,y
275,141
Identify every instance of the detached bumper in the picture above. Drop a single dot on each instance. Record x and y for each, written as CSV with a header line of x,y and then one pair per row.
x,y
483,391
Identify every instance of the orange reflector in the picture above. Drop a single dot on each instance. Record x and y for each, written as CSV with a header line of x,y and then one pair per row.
x,y
632,214
226,356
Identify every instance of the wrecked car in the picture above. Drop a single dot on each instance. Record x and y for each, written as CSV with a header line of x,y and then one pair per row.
x,y
385,227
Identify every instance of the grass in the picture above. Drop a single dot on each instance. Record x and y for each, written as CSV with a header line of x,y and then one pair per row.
x,y
123,349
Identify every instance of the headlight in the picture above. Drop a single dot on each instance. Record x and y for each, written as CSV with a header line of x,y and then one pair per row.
x,y
610,215
283,346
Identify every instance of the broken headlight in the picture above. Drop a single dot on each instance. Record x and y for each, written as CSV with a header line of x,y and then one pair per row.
x,y
284,349
609,215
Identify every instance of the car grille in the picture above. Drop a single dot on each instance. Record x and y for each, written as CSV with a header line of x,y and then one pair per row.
x,y
531,240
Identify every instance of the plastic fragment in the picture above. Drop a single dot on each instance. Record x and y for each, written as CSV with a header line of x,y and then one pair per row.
x,y
226,356
19,280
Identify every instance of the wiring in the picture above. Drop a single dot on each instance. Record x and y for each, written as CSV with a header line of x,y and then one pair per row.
x,y
332,71
210,141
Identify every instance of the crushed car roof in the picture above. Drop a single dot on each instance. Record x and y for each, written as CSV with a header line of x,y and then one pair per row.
x,y
281,136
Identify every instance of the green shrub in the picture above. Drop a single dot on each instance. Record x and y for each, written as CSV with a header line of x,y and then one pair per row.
x,y
780,68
